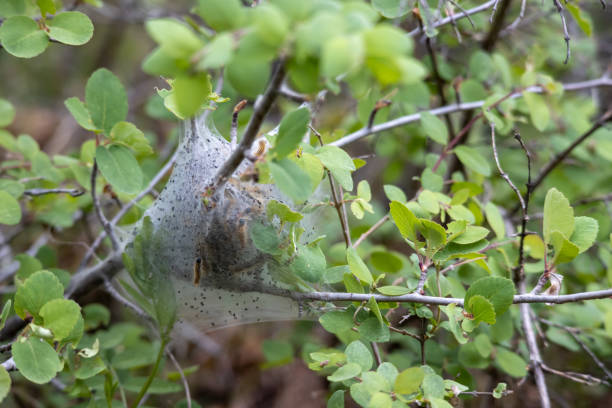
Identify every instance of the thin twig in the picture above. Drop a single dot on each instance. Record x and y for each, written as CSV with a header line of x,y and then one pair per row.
x,y
525,217
262,107
183,378
382,103
338,204
520,17
561,156
574,333
589,200
404,120
74,192
404,332
369,232
108,228
456,265
376,351
534,352
154,181
234,129
581,378
566,35
448,20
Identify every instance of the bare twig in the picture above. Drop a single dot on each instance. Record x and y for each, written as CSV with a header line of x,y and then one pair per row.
x,y
525,217
74,192
378,106
561,156
422,278
376,351
574,333
581,378
520,17
534,351
108,228
404,120
458,264
183,378
234,129
262,107
589,200
566,35
154,181
373,228
405,333
435,300
450,19
338,204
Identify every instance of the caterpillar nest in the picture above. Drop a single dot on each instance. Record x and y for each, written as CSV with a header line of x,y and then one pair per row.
x,y
220,277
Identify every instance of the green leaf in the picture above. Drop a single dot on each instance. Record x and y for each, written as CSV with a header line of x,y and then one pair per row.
x,y
538,110
391,8
129,135
393,290
481,309
22,37
190,93
291,131
37,290
434,234
386,261
290,179
60,316
510,362
119,167
473,160
339,163
535,246
10,211
583,22
454,315
433,386
80,113
429,201
394,193
265,238
96,315
5,383
46,7
358,267
176,39
9,8
106,99
404,219
585,232
309,264
7,112
6,309
221,15
499,291
409,380
434,128
495,220
565,251
36,359
336,400
341,55
71,27
248,75
431,181
558,215
277,353
373,330
85,368
346,372
282,211
336,321
471,234
218,52
356,352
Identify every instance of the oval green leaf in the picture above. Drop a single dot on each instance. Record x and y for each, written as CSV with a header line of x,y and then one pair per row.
x,y
71,27
10,211
119,167
36,359
22,37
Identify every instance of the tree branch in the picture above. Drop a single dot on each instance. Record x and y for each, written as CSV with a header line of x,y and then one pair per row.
x,y
450,19
262,107
534,351
561,156
404,120
34,192
108,228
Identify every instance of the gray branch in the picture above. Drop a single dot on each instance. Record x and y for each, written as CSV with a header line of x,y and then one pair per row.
x,y
443,110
